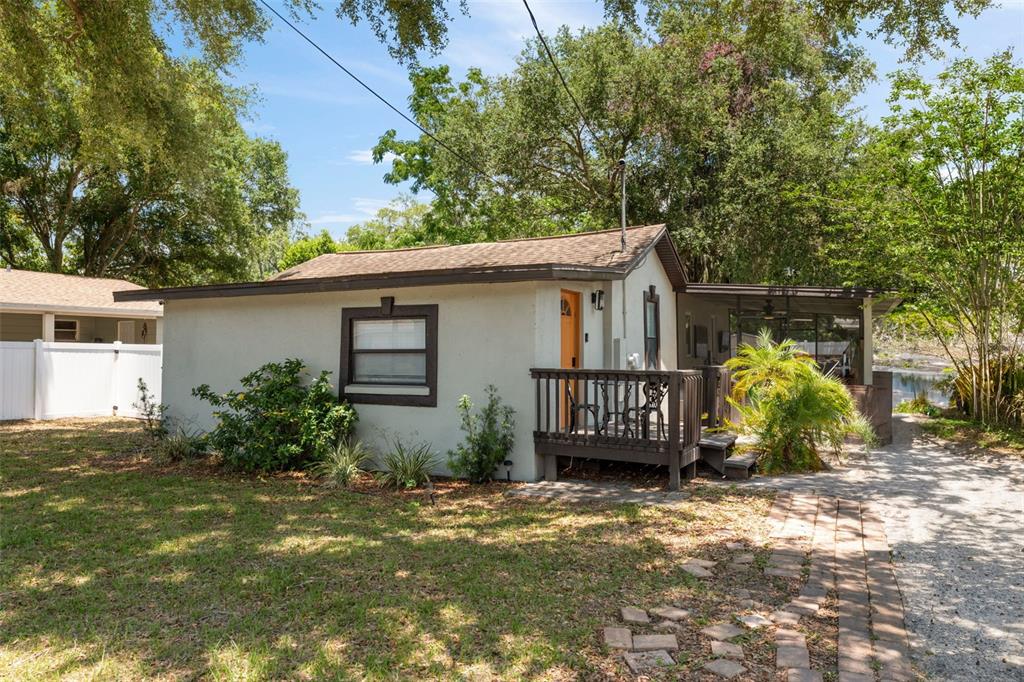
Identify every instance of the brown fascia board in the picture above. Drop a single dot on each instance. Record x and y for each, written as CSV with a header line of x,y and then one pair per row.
x,y
374,281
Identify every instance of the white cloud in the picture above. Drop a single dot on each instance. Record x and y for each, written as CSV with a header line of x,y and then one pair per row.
x,y
364,156
333,219
361,209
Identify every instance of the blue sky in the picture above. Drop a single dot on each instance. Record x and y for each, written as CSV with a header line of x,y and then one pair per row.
x,y
328,124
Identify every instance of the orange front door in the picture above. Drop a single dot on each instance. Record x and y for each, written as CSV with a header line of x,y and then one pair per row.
x,y
570,316
570,329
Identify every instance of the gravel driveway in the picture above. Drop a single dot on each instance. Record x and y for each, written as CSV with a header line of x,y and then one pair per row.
x,y
955,520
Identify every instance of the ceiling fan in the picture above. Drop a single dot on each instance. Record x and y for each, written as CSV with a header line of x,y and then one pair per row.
x,y
768,311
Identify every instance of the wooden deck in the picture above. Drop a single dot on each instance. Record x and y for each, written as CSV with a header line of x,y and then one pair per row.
x,y
648,417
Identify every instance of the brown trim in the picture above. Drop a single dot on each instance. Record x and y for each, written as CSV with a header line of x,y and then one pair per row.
x,y
388,310
651,296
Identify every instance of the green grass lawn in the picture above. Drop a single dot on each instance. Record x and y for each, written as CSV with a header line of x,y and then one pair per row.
x,y
117,567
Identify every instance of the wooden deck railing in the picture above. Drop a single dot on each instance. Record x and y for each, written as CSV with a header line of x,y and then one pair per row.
x,y
717,386
651,416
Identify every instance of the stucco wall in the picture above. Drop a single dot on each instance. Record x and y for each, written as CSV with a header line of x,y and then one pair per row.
x,y
486,335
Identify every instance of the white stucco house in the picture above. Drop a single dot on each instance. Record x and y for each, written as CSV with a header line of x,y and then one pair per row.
x,y
577,332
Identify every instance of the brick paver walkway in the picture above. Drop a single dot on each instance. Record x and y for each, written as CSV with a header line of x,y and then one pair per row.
x,y
849,553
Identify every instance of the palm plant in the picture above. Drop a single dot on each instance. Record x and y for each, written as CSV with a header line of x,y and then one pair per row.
x,y
341,464
790,407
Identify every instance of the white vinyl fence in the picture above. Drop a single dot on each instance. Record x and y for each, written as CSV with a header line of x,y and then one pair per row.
x,y
52,380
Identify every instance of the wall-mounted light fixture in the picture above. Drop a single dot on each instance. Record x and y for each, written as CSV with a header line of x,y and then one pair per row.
x,y
597,299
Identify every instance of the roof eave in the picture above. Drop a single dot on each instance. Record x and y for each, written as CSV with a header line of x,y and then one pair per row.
x,y
375,281
94,311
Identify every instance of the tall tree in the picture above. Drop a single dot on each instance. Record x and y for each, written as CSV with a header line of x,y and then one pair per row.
x,y
730,135
938,199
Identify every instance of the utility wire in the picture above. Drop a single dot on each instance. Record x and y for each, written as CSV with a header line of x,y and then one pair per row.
x,y
373,92
551,58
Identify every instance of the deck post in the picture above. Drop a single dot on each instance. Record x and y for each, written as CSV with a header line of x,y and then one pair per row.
x,y
674,399
550,468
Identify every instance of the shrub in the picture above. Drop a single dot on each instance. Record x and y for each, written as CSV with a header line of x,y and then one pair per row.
x,y
152,411
407,465
791,408
341,464
183,444
489,438
276,422
918,405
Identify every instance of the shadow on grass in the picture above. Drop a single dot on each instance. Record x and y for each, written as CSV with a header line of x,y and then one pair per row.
x,y
115,566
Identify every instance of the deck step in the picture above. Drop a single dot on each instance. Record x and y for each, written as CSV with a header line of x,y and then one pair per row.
x,y
738,467
718,440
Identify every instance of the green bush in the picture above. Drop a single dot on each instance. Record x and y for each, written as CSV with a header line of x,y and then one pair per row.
x,y
489,438
276,422
341,464
407,465
918,405
791,408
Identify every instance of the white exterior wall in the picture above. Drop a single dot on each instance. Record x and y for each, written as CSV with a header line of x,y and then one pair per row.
x,y
487,334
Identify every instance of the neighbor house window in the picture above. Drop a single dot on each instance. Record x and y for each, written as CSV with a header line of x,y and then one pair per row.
x,y
65,330
389,354
652,329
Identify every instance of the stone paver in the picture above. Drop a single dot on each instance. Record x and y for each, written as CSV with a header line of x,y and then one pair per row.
x,y
743,559
640,662
803,675
618,638
952,517
631,614
655,642
696,571
670,612
703,563
754,621
726,650
722,631
792,656
725,668
785,617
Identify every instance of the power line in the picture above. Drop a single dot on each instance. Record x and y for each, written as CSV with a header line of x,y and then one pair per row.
x,y
373,92
551,58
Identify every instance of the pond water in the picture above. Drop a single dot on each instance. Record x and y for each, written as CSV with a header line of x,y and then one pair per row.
x,y
908,383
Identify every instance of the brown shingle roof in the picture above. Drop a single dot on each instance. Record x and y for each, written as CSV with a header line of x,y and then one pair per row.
x,y
587,255
588,250
46,291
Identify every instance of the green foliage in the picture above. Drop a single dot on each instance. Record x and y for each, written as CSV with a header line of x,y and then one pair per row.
x,y
918,405
152,411
183,444
342,463
276,422
791,408
489,438
407,465
306,249
737,167
1003,383
396,226
936,210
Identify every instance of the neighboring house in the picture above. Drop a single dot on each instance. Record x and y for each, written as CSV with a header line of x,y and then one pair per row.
x,y
51,307
577,333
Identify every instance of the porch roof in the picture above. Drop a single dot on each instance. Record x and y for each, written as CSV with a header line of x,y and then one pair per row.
x,y
27,291
846,301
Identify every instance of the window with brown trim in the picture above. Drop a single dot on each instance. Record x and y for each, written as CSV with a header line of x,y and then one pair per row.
x,y
389,354
652,329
